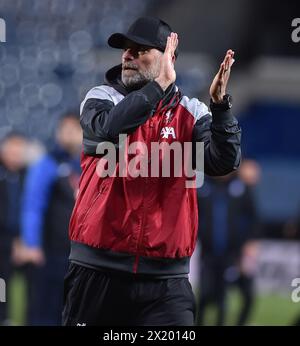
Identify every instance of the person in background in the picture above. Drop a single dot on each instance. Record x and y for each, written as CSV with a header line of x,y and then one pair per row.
x,y
227,229
249,173
49,193
291,231
13,161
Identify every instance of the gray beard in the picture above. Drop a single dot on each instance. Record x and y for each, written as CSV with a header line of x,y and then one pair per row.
x,y
137,81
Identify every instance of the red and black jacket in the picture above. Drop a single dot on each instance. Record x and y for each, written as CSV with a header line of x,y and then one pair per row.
x,y
144,225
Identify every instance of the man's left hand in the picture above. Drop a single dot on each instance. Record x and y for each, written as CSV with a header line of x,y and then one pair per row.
x,y
218,87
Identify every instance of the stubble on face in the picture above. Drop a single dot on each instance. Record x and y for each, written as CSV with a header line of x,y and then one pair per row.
x,y
135,77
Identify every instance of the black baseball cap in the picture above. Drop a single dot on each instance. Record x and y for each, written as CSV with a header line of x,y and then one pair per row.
x,y
148,31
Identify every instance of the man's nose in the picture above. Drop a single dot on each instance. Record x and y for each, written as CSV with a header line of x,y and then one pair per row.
x,y
128,54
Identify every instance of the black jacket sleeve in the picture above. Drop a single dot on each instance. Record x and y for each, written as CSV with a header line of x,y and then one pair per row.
x,y
221,135
102,120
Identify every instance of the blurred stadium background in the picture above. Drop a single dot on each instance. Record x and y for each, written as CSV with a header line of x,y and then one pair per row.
x,y
56,50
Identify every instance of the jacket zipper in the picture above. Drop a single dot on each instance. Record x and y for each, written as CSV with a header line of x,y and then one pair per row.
x,y
162,111
138,254
140,238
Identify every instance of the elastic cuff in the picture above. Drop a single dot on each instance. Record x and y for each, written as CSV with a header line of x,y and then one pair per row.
x,y
153,92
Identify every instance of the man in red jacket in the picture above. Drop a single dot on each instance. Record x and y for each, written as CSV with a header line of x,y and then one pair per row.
x,y
132,235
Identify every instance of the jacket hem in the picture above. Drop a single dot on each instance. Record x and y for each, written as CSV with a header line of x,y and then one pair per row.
x,y
101,259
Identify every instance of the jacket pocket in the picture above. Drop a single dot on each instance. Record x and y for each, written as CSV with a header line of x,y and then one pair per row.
x,y
103,189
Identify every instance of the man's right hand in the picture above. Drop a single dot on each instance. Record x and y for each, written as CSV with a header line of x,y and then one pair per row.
x,y
167,74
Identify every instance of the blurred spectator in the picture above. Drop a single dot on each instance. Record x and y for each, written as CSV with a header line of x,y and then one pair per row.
x,y
228,223
291,231
13,159
49,194
249,172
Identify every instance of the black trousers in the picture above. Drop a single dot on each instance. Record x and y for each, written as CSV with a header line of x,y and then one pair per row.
x,y
93,297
